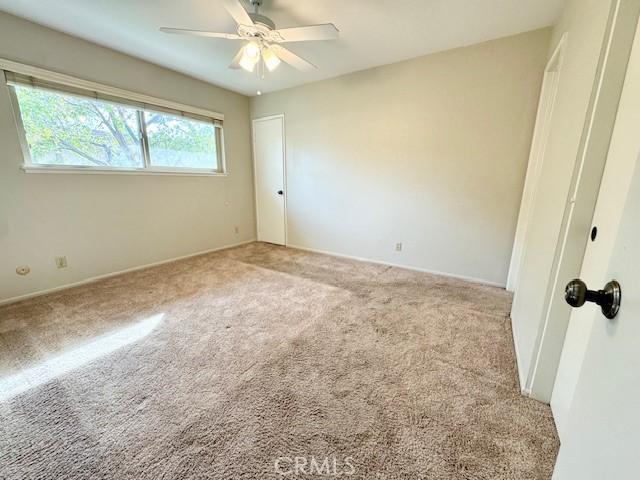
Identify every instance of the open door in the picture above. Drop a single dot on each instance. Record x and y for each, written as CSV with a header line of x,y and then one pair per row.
x,y
599,377
598,44
548,96
269,172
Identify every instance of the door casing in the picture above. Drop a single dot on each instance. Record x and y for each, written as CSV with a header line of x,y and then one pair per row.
x,y
548,95
614,188
540,317
284,171
601,433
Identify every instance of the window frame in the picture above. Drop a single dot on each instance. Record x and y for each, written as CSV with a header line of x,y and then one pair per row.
x,y
146,148
126,98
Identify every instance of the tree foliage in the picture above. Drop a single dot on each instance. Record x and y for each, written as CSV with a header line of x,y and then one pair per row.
x,y
63,129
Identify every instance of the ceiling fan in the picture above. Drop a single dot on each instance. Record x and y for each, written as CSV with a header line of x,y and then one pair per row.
x,y
263,41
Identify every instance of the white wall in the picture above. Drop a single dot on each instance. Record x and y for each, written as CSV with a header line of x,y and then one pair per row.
x,y
108,223
430,152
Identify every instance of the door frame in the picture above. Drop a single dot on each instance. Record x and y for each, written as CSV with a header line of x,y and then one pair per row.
x,y
615,186
284,172
582,196
546,107
599,422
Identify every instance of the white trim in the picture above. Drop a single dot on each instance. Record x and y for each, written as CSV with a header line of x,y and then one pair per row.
x,y
222,168
148,168
77,169
22,134
284,179
521,380
544,117
584,150
599,121
269,117
255,177
284,170
406,267
48,75
39,293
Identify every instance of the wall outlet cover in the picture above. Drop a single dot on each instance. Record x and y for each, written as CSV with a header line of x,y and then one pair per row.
x,y
23,270
61,262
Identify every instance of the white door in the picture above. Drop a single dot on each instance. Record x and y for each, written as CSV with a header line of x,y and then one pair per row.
x,y
608,212
546,105
601,359
268,160
599,42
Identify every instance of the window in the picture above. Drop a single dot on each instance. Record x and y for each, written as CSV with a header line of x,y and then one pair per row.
x,y
68,128
178,142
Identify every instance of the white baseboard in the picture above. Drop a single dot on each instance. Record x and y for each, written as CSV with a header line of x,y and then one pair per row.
x,y
406,267
224,247
114,274
521,378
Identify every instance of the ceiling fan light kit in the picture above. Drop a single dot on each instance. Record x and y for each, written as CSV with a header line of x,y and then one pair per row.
x,y
262,47
270,59
250,56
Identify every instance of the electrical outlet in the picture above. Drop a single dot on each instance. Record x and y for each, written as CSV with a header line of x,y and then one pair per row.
x,y
398,247
23,270
61,262
236,229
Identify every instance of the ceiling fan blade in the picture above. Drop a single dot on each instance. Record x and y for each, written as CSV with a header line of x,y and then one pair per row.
x,y
292,59
235,64
201,33
237,11
326,31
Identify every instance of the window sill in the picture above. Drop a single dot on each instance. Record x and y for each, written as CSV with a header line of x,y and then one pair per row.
x,y
182,172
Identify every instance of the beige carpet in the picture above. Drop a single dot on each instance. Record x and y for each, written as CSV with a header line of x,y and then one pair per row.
x,y
232,364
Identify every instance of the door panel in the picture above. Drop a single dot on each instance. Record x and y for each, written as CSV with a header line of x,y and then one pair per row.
x,y
614,189
583,197
603,433
548,96
599,41
268,155
585,37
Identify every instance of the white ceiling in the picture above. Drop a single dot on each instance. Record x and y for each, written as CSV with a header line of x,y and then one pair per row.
x,y
372,32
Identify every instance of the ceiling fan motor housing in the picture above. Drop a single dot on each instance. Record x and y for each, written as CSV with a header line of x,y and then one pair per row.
x,y
262,20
